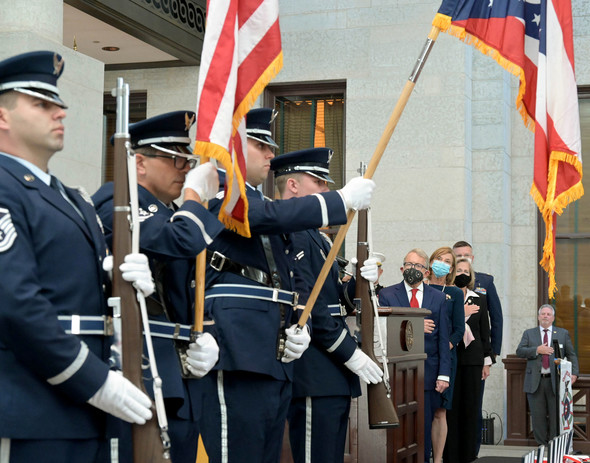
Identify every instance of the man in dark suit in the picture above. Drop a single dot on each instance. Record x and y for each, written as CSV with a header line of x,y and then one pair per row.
x,y
540,377
412,292
327,374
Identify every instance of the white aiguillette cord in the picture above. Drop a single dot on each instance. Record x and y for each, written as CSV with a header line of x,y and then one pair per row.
x,y
375,303
157,381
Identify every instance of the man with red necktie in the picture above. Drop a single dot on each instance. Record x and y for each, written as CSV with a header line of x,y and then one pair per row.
x,y
412,292
539,380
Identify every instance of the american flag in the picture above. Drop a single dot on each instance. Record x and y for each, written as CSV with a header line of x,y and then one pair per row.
x,y
241,54
533,39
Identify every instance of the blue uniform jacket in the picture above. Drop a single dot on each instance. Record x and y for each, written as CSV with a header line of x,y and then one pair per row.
x,y
171,240
436,344
321,370
53,267
247,328
484,284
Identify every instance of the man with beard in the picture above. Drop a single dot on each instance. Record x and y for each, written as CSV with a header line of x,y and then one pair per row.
x,y
412,292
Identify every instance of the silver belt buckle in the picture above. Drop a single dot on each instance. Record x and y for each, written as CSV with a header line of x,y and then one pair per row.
x,y
217,260
109,328
275,295
295,299
342,310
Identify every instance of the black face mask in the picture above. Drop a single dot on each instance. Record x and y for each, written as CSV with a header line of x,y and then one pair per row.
x,y
462,280
412,276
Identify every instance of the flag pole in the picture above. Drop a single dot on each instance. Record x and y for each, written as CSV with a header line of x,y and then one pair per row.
x,y
200,268
377,154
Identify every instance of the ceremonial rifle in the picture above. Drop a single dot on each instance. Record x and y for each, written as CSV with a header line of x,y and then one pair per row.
x,y
382,412
150,441
385,137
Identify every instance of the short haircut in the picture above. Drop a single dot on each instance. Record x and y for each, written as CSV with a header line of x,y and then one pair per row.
x,y
147,150
471,284
8,99
461,244
546,306
281,181
421,253
440,252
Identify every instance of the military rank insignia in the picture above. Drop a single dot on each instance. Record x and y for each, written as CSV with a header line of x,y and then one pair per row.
x,y
7,230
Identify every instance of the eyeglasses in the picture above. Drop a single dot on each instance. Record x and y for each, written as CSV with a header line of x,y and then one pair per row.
x,y
416,266
180,162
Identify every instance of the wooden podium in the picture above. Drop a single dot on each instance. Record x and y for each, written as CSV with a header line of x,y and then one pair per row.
x,y
403,329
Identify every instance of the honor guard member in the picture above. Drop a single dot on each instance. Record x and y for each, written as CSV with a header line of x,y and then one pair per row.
x,y
327,375
54,336
172,237
249,303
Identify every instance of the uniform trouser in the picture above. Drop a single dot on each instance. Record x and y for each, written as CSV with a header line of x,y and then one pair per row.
x,y
462,418
317,428
543,411
49,450
243,416
184,439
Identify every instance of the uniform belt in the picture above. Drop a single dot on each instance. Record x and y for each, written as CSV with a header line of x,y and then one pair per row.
x,y
545,375
337,310
103,325
170,330
87,324
221,263
253,292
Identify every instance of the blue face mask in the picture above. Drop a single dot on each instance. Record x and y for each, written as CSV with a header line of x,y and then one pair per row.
x,y
440,268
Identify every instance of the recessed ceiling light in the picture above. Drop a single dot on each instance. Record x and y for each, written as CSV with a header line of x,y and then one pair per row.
x,y
111,48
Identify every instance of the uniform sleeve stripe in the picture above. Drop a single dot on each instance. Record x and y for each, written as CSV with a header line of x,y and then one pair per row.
x,y
73,368
324,209
197,221
335,346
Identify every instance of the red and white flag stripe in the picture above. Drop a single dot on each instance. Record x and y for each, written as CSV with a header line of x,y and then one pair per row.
x,y
241,54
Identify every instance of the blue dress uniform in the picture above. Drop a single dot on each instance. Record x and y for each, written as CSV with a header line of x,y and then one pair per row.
x,y
322,385
171,238
246,396
51,253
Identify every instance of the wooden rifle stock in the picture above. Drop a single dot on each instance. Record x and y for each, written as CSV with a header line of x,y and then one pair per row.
x,y
147,441
382,412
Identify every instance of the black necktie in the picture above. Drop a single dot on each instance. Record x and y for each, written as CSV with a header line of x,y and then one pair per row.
x,y
56,185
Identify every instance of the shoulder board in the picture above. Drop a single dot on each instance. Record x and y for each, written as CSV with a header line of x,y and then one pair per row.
x,y
266,198
220,195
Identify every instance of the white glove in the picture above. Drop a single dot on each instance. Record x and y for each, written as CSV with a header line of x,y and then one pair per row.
x,y
296,343
203,180
119,397
136,269
362,365
357,193
107,265
370,270
202,355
